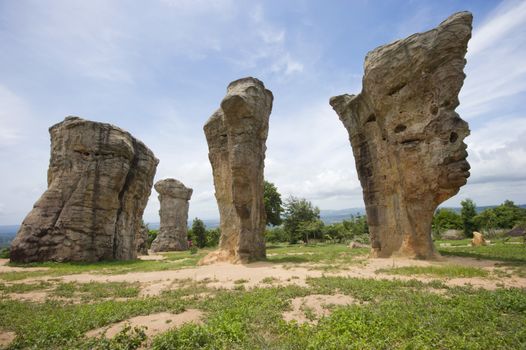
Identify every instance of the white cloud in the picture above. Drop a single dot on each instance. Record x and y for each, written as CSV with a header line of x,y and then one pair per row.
x,y
13,114
496,72
309,155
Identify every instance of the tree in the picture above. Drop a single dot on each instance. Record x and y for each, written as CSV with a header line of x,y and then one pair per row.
x,y
212,237
199,232
468,213
508,214
487,221
446,219
273,203
300,217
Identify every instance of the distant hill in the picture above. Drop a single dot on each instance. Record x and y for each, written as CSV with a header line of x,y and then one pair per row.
x,y
333,216
7,233
209,223
481,208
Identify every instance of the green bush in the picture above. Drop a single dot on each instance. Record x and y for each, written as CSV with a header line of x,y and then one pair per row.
x,y
4,253
212,237
152,234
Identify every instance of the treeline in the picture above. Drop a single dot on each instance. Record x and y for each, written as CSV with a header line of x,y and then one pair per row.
x,y
298,220
300,223
503,217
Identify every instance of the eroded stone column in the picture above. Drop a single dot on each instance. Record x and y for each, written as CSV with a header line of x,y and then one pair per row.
x,y
406,137
173,233
99,181
236,134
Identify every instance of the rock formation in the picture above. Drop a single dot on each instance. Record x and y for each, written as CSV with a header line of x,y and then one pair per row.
x,y
99,181
406,137
236,135
173,233
141,240
478,239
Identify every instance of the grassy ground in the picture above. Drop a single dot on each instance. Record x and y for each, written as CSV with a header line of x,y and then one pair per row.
x,y
387,314
173,261
446,271
319,256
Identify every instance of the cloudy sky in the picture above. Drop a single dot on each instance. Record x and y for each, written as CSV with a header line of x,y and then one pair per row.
x,y
160,68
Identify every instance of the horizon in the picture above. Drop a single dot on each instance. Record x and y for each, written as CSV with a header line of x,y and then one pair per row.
x,y
153,70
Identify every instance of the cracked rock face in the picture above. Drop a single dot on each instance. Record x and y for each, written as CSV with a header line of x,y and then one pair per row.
x,y
141,241
173,233
99,181
406,137
236,134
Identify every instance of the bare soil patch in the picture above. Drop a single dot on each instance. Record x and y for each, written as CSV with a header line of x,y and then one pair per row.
x,y
154,323
310,308
6,338
225,275
152,256
5,268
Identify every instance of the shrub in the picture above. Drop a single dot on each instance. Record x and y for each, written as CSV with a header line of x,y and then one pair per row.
x,y
4,253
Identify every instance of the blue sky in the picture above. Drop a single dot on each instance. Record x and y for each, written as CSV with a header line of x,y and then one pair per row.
x,y
159,69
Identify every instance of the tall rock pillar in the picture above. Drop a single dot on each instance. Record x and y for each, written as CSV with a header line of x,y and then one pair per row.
x,y
406,137
99,181
236,134
173,233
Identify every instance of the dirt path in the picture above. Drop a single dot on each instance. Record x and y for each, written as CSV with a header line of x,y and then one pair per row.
x,y
224,275
5,268
153,323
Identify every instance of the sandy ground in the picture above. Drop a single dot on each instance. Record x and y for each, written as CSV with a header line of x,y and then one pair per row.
x,y
317,304
4,268
6,338
154,323
224,275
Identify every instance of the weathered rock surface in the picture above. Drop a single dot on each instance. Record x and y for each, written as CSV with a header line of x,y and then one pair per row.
x,y
173,232
406,137
142,240
99,181
236,134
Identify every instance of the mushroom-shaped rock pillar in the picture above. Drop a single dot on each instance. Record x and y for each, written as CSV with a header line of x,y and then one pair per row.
x,y
236,134
173,233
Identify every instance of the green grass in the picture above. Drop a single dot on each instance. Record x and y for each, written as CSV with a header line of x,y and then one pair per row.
x,y
24,287
388,314
394,315
173,261
318,256
498,251
56,325
97,290
449,271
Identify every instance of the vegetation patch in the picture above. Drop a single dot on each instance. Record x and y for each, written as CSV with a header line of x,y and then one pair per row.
x,y
97,290
447,271
24,287
173,261
498,251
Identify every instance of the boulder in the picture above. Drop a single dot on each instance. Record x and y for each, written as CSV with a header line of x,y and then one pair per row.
x,y
406,137
236,134
99,181
173,232
478,239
